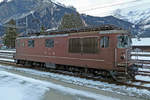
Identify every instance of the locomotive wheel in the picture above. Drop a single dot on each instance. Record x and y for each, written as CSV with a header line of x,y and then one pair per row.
x,y
119,76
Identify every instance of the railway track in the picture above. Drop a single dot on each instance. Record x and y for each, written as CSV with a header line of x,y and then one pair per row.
x,y
128,84
132,83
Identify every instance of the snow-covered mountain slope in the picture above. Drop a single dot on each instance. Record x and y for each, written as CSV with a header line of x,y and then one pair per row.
x,y
32,14
134,12
137,13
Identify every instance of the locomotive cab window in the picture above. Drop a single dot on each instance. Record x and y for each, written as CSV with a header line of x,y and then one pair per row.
x,y
124,41
104,42
49,43
31,43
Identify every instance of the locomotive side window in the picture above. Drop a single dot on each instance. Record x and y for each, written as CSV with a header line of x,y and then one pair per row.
x,y
23,44
75,45
124,41
18,43
104,42
90,45
49,43
31,43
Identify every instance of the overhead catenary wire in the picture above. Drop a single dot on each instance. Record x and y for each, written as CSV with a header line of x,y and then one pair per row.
x,y
105,6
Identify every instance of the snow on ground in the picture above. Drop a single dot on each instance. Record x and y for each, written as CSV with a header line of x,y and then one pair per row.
x,y
9,60
84,82
13,87
8,51
144,78
16,87
146,66
142,53
140,57
144,69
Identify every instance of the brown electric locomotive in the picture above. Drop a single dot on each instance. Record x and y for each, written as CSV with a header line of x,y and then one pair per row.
x,y
103,50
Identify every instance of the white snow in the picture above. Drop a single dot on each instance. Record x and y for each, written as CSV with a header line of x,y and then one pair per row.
x,y
47,1
140,58
134,12
6,55
10,93
8,51
146,26
84,82
144,78
8,60
5,0
144,69
16,87
44,36
141,42
141,53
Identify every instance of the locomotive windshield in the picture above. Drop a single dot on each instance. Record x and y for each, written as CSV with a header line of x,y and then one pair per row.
x,y
124,41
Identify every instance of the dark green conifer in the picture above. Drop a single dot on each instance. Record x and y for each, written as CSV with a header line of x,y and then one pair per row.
x,y
71,21
10,34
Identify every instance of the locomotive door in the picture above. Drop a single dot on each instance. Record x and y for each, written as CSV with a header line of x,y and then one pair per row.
x,y
121,52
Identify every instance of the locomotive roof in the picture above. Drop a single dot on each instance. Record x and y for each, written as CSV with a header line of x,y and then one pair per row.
x,y
63,35
114,31
103,29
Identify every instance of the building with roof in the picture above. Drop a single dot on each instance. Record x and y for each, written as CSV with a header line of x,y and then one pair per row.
x,y
141,43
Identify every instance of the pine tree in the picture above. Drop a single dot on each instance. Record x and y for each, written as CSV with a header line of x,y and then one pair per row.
x,y
42,30
10,34
71,21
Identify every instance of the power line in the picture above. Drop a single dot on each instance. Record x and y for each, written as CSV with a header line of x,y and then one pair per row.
x,y
106,6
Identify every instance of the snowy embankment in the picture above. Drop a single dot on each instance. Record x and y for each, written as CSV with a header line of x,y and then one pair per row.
x,y
144,78
78,81
16,87
19,85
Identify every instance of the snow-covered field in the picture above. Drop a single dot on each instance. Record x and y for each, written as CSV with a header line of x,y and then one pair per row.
x,y
25,88
15,79
17,87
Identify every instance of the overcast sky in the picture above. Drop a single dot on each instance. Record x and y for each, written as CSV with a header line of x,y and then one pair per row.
x,y
96,7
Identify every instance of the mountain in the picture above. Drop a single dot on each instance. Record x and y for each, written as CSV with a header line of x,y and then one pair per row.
x,y
138,13
90,20
32,14
1,29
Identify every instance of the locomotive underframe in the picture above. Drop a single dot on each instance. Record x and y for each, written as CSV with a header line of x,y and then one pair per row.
x,y
119,74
